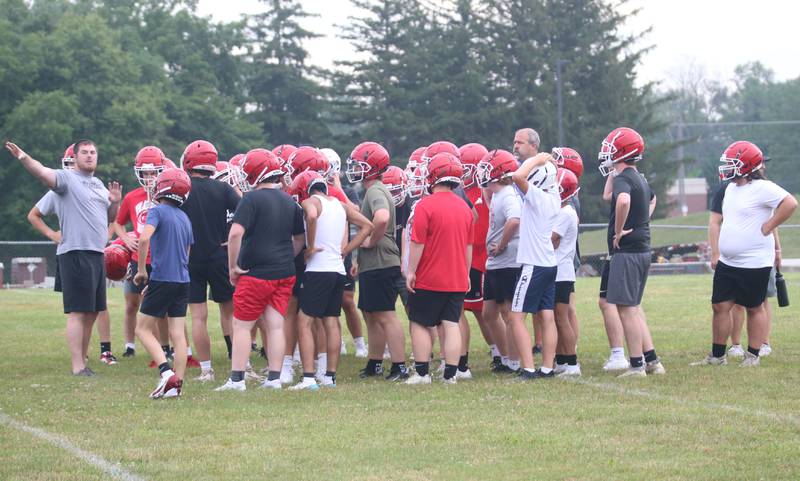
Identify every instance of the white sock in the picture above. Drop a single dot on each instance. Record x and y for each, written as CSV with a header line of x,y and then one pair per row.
x,y
287,361
504,360
322,362
205,366
513,364
529,370
359,342
130,345
617,352
494,350
189,351
545,370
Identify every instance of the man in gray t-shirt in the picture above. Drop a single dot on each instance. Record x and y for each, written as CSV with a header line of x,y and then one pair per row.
x,y
84,208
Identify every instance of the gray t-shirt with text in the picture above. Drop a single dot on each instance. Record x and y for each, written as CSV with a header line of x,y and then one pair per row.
x,y
505,205
82,209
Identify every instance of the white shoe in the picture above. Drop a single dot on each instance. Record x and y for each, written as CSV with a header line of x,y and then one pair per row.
x,y
287,374
634,372
232,386
274,384
361,352
570,371
736,351
765,350
711,361
417,379
463,375
654,367
560,368
452,380
306,384
343,349
750,360
327,382
205,376
162,384
616,364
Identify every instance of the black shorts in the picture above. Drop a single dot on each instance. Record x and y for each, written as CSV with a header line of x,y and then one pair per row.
x,y
130,287
378,289
430,308
604,279
499,284
349,281
402,291
563,290
299,272
214,273
473,299
83,281
165,299
321,294
746,287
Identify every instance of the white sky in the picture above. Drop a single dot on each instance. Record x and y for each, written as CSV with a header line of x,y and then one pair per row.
x,y
711,35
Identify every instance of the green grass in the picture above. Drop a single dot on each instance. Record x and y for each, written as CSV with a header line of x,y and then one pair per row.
x,y
694,423
594,241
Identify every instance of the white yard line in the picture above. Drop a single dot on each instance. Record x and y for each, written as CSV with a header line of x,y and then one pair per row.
x,y
628,391
111,469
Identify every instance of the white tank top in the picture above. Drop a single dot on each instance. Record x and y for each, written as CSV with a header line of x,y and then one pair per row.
x,y
331,226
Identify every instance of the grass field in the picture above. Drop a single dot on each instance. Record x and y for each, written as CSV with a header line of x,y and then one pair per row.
x,y
594,242
694,423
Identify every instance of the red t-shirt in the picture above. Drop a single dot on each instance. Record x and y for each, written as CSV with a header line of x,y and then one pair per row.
x,y
443,223
481,229
338,193
134,209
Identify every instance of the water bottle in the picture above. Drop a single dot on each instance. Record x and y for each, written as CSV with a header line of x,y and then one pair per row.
x,y
780,286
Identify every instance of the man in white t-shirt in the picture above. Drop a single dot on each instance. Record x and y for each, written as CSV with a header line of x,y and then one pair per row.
x,y
565,239
743,250
535,290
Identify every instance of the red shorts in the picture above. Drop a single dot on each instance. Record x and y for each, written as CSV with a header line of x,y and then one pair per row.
x,y
253,295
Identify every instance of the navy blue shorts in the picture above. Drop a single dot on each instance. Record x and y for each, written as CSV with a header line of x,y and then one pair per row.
x,y
536,290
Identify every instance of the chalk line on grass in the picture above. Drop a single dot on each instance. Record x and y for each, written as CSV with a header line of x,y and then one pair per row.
x,y
758,412
111,469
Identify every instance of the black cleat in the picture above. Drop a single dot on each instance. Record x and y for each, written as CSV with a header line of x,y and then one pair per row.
x,y
502,369
537,349
397,376
367,373
129,352
537,374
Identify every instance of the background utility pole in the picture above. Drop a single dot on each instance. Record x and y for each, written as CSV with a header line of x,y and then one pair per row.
x,y
559,64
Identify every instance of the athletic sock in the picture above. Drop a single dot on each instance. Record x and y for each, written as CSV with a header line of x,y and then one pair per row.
x,y
205,366
308,375
322,361
189,351
753,350
571,359
450,370
637,361
650,356
130,345
617,352
513,364
528,369
398,367
359,342
373,364
546,370
422,368
560,359
718,350
165,348
462,363
163,367
228,345
237,376
105,347
273,375
495,352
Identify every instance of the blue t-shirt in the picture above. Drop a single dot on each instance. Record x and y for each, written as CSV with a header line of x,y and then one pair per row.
x,y
170,243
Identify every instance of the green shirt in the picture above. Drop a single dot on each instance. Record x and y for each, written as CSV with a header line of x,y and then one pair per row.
x,y
385,253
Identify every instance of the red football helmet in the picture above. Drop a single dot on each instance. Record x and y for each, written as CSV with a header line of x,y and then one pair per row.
x,y
221,166
438,147
622,144
231,175
237,160
169,164
444,167
471,155
68,160
260,164
116,257
367,161
173,184
567,183
740,159
308,158
199,155
396,182
148,164
416,181
284,151
304,181
495,165
569,159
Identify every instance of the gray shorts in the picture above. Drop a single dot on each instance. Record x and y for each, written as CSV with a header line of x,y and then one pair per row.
x,y
772,291
627,277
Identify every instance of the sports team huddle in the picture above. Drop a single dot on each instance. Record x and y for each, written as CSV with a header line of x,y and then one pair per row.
x,y
280,246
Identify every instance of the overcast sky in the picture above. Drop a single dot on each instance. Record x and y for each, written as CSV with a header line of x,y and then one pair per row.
x,y
712,35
